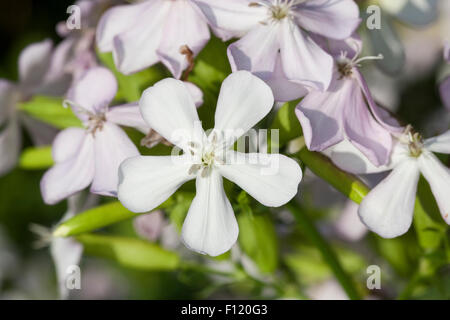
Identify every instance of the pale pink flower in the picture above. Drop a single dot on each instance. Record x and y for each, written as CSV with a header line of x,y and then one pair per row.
x,y
92,154
277,41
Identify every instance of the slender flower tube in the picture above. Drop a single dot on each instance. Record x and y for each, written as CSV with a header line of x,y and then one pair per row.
x,y
92,154
145,182
276,39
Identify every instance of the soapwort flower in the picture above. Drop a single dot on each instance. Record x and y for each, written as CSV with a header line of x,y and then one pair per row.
x,y
41,71
144,33
388,208
276,38
347,111
146,181
92,154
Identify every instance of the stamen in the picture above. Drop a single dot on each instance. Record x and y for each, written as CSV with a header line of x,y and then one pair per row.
x,y
414,141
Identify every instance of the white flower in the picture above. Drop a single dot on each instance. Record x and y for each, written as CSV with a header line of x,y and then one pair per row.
x,y
145,182
388,208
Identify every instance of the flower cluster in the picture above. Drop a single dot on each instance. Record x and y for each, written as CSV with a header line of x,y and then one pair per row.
x,y
279,51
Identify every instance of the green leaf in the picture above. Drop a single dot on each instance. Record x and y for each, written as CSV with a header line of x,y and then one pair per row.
x,y
97,218
132,86
308,227
430,232
287,123
344,182
130,252
36,158
257,236
177,213
51,110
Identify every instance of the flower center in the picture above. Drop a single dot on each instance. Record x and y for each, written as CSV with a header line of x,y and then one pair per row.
x,y
277,9
414,141
345,65
206,156
95,122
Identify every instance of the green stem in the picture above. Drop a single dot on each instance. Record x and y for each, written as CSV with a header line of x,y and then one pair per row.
x,y
311,232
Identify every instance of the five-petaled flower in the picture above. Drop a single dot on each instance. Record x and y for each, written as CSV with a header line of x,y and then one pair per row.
x,y
142,34
146,181
277,39
388,208
347,111
92,154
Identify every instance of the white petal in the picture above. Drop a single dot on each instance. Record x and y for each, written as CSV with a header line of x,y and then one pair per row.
x,y
136,48
257,51
112,146
210,226
303,60
146,182
272,179
439,144
232,17
10,145
67,144
336,19
184,25
117,20
74,174
169,109
438,176
65,252
94,91
34,62
128,115
388,208
196,93
244,100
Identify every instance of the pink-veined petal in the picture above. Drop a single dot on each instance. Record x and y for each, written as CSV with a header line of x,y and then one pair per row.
x,y
128,115
336,19
320,114
74,174
67,143
257,51
112,146
117,20
303,60
93,91
231,18
370,137
185,25
136,48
